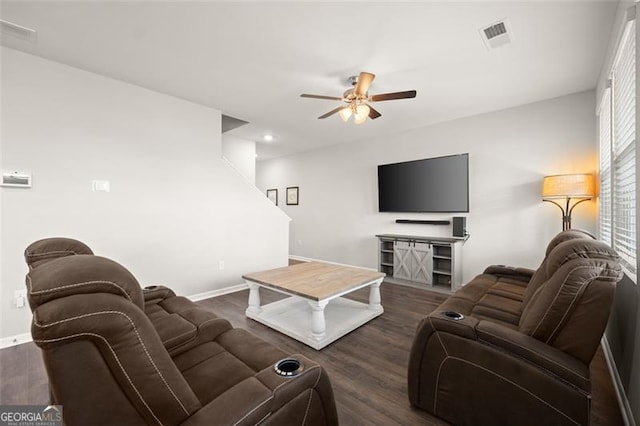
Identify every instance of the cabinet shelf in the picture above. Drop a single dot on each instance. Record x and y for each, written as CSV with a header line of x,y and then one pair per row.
x,y
435,256
442,272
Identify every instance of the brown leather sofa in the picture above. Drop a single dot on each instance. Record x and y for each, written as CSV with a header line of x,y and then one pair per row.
x,y
116,354
513,346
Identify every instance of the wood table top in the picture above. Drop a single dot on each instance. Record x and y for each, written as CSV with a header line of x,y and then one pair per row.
x,y
315,280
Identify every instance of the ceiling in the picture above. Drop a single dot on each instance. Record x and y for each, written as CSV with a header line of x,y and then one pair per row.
x,y
252,60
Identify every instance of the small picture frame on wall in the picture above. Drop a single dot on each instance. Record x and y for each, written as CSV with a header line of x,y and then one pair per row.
x,y
272,194
292,195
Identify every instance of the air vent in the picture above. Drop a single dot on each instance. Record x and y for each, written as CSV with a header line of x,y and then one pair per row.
x,y
18,31
495,30
496,34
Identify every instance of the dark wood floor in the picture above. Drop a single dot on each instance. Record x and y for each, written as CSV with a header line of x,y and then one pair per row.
x,y
367,367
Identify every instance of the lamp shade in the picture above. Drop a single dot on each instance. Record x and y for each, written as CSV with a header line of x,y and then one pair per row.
x,y
568,186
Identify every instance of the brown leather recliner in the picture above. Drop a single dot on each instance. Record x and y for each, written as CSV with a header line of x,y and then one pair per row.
x,y
107,363
178,321
513,346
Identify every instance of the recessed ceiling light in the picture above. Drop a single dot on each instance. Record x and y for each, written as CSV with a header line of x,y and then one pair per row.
x,y
268,138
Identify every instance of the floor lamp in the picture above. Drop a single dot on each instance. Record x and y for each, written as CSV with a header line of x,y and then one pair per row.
x,y
580,187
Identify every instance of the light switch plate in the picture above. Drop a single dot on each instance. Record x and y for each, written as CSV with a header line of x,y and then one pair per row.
x,y
100,186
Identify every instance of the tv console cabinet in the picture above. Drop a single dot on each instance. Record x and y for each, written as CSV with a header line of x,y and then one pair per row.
x,y
427,262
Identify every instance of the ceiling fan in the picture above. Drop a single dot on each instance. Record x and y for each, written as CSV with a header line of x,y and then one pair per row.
x,y
357,99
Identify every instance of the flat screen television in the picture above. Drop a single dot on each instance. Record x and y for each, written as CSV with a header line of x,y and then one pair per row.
x,y
432,185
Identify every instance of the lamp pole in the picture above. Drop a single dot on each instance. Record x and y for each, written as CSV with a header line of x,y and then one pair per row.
x,y
566,211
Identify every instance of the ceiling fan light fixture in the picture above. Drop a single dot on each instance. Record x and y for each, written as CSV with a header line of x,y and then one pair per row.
x,y
345,114
355,100
361,114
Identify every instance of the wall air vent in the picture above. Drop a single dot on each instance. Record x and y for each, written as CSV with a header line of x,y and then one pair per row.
x,y
496,34
18,31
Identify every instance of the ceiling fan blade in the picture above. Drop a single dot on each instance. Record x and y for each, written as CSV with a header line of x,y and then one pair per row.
x,y
364,81
333,111
373,114
392,96
331,98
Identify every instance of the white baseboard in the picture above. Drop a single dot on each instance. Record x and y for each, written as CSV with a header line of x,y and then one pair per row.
x,y
625,408
18,339
310,259
218,292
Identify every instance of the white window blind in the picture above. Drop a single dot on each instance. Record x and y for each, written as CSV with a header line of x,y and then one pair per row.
x,y
604,225
618,177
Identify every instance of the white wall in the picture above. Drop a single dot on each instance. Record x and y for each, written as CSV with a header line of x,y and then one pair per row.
x,y
241,153
509,153
175,208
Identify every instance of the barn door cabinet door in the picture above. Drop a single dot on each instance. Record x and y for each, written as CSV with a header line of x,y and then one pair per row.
x,y
402,260
422,268
412,261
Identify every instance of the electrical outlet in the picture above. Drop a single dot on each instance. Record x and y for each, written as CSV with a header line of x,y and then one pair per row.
x,y
221,265
20,298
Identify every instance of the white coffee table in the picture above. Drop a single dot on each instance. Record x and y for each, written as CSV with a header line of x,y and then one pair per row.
x,y
315,313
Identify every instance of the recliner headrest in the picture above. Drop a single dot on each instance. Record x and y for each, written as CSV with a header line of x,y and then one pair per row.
x,y
580,248
47,249
563,236
541,275
81,274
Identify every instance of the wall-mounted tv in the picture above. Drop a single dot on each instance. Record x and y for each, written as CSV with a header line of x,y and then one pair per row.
x,y
432,185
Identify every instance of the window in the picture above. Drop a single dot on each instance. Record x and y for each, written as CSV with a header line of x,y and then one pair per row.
x,y
617,123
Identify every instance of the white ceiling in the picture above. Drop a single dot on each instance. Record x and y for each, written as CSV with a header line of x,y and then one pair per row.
x,y
252,60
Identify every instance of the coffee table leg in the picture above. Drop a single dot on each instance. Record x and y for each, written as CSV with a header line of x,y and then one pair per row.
x,y
318,324
374,296
254,298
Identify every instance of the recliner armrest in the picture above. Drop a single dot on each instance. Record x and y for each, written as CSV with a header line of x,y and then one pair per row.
x,y
206,331
480,364
523,274
536,352
281,400
158,292
511,341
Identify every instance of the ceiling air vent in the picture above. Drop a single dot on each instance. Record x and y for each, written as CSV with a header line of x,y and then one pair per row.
x,y
497,34
18,31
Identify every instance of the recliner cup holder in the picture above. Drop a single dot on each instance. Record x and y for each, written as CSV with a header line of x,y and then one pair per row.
x,y
453,315
288,367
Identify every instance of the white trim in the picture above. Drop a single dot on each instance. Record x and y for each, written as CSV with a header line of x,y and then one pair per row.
x,y
218,292
18,339
310,259
623,402
607,86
